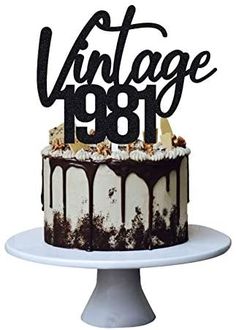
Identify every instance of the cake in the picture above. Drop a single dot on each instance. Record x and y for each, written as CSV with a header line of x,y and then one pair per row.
x,y
132,197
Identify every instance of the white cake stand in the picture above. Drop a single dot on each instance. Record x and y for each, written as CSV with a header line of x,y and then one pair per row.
x,y
118,299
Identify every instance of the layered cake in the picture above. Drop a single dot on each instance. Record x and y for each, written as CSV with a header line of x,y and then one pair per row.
x,y
105,197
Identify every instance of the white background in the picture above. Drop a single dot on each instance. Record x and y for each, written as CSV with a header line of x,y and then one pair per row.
x,y
193,296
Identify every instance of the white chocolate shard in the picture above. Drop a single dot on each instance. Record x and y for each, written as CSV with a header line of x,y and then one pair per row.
x,y
56,138
166,140
56,135
78,145
75,147
165,126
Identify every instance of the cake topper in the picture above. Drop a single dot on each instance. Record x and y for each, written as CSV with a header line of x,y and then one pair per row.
x,y
106,124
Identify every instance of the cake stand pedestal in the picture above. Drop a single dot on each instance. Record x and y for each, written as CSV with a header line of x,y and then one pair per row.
x,y
118,299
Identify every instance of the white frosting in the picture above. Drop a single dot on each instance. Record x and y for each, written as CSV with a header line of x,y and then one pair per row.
x,y
48,212
120,155
188,151
46,151
77,191
97,156
156,146
171,154
136,196
177,152
68,154
56,153
158,155
105,205
181,151
138,155
139,145
183,191
77,196
82,155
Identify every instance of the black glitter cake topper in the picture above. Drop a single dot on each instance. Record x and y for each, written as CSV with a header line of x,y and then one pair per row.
x,y
106,125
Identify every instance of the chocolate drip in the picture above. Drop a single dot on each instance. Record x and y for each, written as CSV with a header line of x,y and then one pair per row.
x,y
90,170
52,168
150,216
178,191
188,180
151,173
64,192
123,197
42,192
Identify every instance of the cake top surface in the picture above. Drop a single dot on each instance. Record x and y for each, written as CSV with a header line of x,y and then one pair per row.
x,y
169,147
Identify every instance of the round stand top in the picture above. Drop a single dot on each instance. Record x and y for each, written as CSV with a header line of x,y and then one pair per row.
x,y
203,243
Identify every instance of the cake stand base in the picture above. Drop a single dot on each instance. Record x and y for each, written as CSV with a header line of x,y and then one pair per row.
x,y
118,300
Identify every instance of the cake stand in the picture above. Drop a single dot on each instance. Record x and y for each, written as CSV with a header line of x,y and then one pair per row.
x,y
118,299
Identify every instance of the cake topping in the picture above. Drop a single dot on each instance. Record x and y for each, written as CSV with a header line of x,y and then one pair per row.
x,y
166,141
58,144
165,126
136,145
56,135
104,148
169,147
75,147
98,157
130,147
149,149
56,140
166,134
178,141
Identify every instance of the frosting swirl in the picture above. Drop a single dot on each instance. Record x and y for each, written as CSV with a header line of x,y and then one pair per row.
x,y
120,155
159,153
82,155
138,155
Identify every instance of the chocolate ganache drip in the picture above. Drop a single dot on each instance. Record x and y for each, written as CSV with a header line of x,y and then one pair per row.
x,y
149,171
188,199
42,192
90,169
151,174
